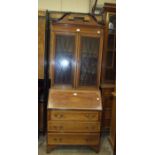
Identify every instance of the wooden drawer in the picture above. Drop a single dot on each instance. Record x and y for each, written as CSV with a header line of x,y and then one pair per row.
x,y
73,139
78,29
69,126
73,115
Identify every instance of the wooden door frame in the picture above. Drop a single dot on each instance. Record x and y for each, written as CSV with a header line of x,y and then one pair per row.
x,y
99,60
52,59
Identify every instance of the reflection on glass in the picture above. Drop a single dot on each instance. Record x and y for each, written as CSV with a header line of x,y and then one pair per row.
x,y
89,61
64,56
111,26
112,23
64,63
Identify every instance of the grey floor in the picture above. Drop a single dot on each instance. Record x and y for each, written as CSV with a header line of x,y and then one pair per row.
x,y
72,150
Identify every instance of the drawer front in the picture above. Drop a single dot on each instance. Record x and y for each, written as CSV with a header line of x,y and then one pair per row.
x,y
73,139
68,126
73,115
75,29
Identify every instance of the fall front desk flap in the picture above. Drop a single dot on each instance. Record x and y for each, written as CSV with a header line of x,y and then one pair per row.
x,y
74,99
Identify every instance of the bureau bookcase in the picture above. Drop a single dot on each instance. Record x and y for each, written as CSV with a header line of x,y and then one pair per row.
x,y
74,103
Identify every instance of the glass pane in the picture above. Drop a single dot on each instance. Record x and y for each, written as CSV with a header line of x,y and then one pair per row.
x,y
110,69
64,57
111,42
112,23
89,61
109,60
110,73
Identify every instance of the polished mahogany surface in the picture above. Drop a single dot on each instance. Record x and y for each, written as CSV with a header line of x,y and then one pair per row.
x,y
74,102
74,99
74,118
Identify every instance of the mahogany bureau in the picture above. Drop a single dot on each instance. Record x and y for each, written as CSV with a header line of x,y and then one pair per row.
x,y
74,118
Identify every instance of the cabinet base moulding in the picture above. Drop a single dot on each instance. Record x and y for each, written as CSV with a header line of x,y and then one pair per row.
x,y
50,148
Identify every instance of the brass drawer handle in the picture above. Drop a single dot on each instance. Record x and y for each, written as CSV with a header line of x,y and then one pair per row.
x,y
61,116
57,139
90,115
55,115
58,115
57,127
60,127
90,127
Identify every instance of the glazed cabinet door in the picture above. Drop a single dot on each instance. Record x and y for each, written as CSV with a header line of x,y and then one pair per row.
x,y
110,66
89,61
63,59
